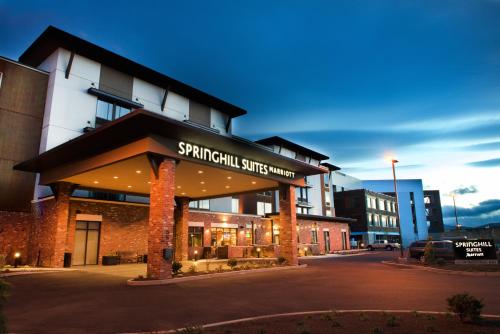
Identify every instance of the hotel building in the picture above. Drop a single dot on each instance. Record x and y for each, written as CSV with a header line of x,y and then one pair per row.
x,y
101,155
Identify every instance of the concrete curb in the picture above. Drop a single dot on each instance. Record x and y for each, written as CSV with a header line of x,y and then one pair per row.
x,y
445,271
131,282
35,271
291,314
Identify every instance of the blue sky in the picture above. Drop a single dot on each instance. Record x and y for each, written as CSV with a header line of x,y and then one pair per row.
x,y
356,80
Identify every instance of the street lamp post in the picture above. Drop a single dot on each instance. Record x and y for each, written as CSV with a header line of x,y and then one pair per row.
x,y
398,221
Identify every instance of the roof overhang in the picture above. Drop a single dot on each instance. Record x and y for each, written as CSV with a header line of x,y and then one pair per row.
x,y
146,134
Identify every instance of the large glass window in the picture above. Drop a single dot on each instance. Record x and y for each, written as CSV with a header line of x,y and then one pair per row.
x,y
369,218
223,236
249,234
195,236
263,208
376,220
381,204
202,204
107,112
235,205
314,235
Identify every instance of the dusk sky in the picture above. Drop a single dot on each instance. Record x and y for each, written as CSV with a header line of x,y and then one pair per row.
x,y
355,80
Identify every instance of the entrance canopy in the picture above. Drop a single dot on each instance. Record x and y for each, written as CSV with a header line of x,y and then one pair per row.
x,y
120,156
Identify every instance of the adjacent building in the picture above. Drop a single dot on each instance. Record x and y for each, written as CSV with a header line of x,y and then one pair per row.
x,y
433,211
375,215
411,206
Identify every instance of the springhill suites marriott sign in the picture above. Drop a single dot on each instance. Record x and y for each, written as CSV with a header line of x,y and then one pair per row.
x,y
227,159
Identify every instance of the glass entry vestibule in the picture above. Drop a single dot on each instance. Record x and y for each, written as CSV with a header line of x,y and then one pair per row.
x,y
86,243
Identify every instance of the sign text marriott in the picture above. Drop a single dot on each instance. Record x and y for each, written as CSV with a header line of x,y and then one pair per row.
x,y
227,159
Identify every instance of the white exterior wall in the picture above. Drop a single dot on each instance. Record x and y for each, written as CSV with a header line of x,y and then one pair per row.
x,y
346,181
405,213
68,108
218,121
314,194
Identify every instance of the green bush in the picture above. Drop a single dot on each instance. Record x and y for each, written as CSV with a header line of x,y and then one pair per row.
x,y
465,306
429,253
4,289
176,267
232,263
281,260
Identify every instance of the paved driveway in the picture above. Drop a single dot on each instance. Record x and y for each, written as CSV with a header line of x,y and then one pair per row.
x,y
79,302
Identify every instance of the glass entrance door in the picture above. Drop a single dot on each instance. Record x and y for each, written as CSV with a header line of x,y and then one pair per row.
x,y
86,243
326,235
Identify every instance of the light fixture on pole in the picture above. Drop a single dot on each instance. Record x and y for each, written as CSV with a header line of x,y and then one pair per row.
x,y
456,216
398,220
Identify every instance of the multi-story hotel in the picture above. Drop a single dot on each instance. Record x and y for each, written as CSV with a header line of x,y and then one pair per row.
x,y
101,155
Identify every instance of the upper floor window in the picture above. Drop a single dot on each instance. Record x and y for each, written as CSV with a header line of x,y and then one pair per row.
x,y
107,112
201,204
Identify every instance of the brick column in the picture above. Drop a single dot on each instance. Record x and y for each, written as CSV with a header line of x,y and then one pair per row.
x,y
161,220
288,224
181,228
62,192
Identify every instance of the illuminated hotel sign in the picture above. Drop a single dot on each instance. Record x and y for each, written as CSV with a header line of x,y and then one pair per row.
x,y
227,159
475,251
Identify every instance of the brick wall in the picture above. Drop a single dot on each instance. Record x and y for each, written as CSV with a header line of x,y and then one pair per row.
x,y
15,228
335,229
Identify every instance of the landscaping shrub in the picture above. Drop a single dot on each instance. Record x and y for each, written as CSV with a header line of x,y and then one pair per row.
x,y
429,253
4,288
176,267
465,306
392,321
232,263
281,260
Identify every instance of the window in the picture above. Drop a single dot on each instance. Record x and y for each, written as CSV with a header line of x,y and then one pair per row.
x,y
381,204
326,178
223,236
374,203
107,112
249,234
276,233
314,234
376,220
383,221
369,218
263,208
368,202
195,236
202,204
235,205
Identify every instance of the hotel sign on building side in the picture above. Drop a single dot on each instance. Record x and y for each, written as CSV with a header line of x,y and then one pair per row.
x,y
230,160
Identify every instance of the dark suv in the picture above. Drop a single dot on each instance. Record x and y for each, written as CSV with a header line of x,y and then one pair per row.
x,y
443,249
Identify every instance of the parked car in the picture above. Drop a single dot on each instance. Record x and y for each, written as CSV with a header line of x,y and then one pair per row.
x,y
443,249
383,244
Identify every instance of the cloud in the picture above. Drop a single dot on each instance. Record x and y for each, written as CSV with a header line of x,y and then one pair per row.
x,y
488,208
465,190
485,163
484,146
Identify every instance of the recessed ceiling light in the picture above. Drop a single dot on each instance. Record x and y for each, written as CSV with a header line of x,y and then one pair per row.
x,y
178,187
227,187
202,182
96,182
229,177
115,177
129,186
149,182
138,171
183,193
204,190
253,182
200,172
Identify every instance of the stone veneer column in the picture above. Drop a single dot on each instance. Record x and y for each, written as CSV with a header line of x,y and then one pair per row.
x,y
62,193
161,220
288,224
181,228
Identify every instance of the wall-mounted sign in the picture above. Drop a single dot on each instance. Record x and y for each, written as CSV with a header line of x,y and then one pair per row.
x,y
475,251
227,159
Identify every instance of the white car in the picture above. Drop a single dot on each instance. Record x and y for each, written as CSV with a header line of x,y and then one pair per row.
x,y
383,244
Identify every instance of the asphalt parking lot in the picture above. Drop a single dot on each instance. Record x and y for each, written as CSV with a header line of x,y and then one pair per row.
x,y
81,302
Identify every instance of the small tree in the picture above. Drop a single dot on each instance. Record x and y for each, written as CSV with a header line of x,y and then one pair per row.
x,y
176,267
429,253
465,306
4,288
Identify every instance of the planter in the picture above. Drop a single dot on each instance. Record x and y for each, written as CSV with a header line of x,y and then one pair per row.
x,y
110,260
